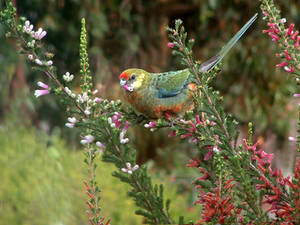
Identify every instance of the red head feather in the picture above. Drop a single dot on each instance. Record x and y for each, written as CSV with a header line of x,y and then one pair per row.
x,y
124,75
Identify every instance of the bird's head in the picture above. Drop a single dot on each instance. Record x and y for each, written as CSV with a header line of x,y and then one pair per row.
x,y
133,79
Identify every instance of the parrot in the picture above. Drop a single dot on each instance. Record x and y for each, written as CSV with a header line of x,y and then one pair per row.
x,y
156,95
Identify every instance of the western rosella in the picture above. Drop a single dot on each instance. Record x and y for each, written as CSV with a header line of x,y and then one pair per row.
x,y
154,94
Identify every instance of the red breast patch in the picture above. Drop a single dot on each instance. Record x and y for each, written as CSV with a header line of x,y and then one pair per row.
x,y
124,75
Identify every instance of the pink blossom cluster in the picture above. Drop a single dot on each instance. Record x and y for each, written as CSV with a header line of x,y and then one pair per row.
x,y
38,35
287,37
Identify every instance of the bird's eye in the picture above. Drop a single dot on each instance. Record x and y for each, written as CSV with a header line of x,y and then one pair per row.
x,y
132,77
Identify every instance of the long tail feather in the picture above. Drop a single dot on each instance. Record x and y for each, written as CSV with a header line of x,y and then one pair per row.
x,y
213,61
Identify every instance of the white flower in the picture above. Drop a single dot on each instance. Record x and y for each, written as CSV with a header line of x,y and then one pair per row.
x,y
49,63
70,125
68,91
39,62
101,145
292,139
27,27
216,149
95,92
82,98
68,77
124,141
87,139
87,112
31,44
129,169
72,119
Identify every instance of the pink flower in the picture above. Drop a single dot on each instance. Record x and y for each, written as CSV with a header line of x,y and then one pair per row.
x,y
171,45
39,34
283,20
116,119
87,139
296,95
42,85
97,100
45,91
39,93
193,140
123,132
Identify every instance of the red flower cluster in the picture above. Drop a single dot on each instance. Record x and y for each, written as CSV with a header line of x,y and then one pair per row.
x,y
94,209
217,205
277,186
288,36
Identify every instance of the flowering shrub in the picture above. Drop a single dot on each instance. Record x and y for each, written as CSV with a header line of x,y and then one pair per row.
x,y
236,183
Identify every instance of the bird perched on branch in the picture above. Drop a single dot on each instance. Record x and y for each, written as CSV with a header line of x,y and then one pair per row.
x,y
155,94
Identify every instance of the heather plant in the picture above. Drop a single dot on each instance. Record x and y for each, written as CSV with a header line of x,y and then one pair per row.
x,y
236,183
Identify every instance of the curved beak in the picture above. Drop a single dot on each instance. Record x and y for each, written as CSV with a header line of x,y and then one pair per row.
x,y
122,82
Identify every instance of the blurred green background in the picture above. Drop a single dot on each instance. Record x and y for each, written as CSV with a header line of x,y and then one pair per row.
x,y
41,162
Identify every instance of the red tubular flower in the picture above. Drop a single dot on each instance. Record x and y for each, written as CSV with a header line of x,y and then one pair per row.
x,y
294,35
194,163
198,121
206,174
287,55
273,36
87,185
90,215
217,206
289,69
172,134
281,64
290,30
297,42
90,195
90,205
261,168
209,154
186,135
